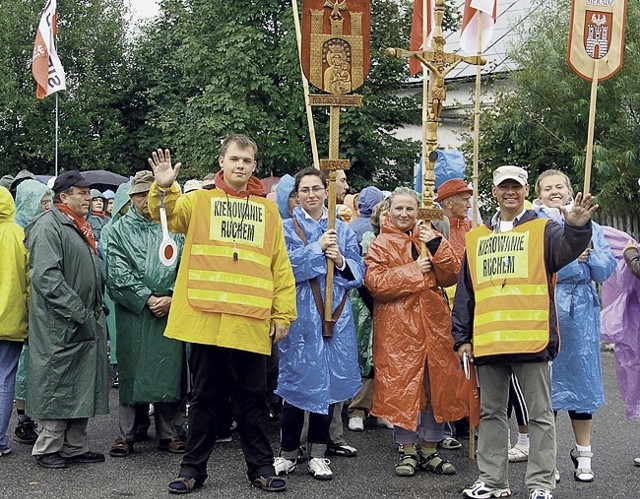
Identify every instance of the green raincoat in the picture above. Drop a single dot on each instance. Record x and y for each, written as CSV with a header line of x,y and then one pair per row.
x,y
121,199
29,194
149,365
68,369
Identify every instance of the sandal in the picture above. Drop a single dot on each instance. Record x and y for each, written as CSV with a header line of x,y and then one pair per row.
x,y
434,463
581,474
449,443
183,485
407,465
270,483
177,445
121,448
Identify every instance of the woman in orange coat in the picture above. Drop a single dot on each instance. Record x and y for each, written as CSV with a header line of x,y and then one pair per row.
x,y
416,369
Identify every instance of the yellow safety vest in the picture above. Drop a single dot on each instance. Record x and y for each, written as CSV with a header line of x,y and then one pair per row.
x,y
511,291
229,264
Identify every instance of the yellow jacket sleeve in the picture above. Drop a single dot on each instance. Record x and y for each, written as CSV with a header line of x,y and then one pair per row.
x,y
178,207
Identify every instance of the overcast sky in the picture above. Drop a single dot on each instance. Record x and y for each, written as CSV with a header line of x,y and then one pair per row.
x,y
143,9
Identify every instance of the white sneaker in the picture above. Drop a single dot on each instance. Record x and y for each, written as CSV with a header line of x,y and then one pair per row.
x,y
636,461
319,468
480,490
541,494
556,472
518,453
284,466
356,424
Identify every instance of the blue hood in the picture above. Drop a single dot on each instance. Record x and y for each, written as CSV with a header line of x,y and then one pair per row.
x,y
369,197
283,189
28,197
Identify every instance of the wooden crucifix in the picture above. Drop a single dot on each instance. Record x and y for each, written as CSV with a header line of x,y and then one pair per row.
x,y
438,63
335,59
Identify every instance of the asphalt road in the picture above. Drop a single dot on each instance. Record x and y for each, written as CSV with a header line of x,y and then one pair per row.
x,y
146,473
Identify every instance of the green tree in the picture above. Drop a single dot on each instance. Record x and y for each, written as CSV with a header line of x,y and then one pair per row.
x,y
214,68
542,121
92,45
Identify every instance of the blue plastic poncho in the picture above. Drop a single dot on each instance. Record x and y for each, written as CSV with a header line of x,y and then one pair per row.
x,y
576,371
315,371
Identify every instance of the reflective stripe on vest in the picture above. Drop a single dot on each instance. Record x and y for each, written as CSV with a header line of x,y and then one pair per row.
x,y
511,291
229,265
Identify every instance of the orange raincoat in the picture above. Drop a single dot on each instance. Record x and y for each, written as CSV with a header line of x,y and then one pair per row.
x,y
412,329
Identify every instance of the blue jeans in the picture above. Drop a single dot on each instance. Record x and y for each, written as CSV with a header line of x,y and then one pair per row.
x,y
9,355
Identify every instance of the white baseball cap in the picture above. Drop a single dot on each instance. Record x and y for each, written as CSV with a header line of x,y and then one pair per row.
x,y
510,172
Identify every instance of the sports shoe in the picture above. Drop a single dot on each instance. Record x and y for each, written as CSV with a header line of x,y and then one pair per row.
x,y
284,466
518,453
480,490
342,450
5,450
556,473
25,432
636,461
319,468
356,423
541,494
86,458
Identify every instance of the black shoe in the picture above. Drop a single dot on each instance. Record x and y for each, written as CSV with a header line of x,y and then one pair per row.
x,y
87,457
52,461
25,432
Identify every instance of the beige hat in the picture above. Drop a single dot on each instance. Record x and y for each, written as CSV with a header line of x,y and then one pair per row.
x,y
141,182
192,185
510,172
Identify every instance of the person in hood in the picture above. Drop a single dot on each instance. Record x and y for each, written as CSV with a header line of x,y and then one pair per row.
x,y
576,373
318,369
14,297
286,196
32,199
67,364
234,297
97,216
414,362
150,365
504,321
109,197
369,197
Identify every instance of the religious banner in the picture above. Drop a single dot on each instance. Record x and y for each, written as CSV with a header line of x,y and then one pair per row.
x,y
596,33
335,44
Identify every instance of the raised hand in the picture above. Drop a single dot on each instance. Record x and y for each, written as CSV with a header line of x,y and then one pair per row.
x,y
160,163
581,211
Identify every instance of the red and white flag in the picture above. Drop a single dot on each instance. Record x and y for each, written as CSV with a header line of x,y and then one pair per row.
x,y
417,32
477,15
45,64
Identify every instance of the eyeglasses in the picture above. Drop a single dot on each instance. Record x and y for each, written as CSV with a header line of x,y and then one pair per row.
x,y
306,191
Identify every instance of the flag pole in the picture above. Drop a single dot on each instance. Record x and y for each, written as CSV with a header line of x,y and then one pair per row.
x,y
591,129
476,132
57,131
305,87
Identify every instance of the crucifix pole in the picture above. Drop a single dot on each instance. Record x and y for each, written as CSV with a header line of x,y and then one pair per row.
x,y
439,63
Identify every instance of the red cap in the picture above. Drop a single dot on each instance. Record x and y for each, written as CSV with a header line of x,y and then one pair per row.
x,y
452,187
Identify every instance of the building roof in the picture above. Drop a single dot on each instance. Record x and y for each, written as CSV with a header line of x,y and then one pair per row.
x,y
510,14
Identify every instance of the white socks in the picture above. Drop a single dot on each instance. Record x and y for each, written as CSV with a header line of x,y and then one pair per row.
x,y
584,462
523,439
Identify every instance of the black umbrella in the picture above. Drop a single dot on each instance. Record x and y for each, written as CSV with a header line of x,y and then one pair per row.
x,y
103,180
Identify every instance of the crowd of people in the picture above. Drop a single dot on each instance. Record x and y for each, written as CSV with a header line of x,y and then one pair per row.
x,y
234,326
